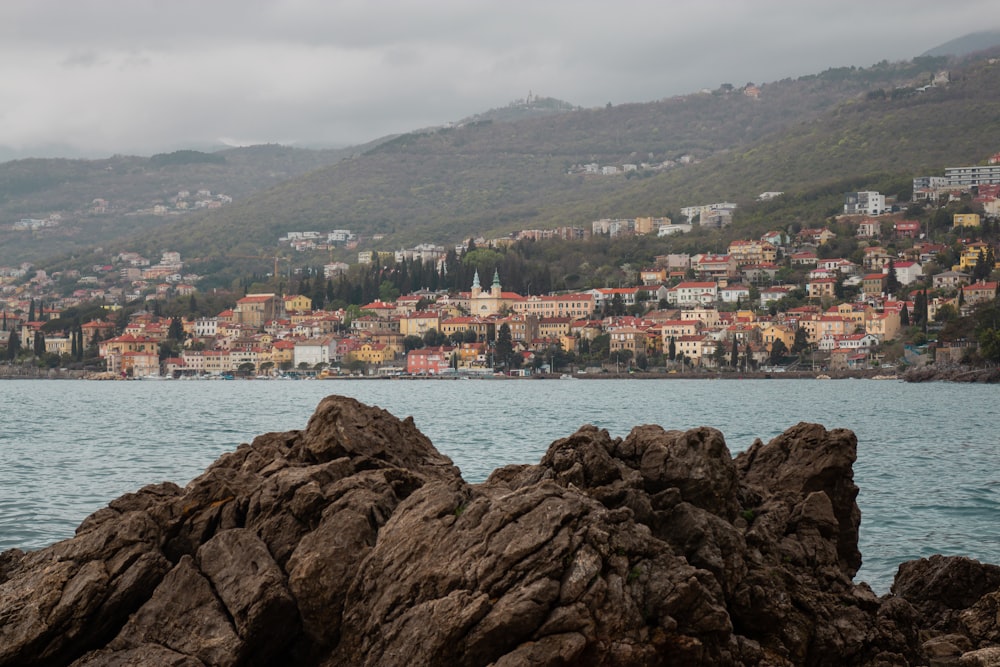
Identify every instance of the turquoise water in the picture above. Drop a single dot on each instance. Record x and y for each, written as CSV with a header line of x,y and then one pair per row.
x,y
928,458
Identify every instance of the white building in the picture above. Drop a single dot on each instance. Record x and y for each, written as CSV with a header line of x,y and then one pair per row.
x,y
206,327
866,203
963,177
313,351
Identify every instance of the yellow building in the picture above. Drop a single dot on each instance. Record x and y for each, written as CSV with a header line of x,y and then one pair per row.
x,y
296,303
485,329
371,353
283,351
554,327
965,220
970,256
752,252
256,309
776,332
419,322
884,326
628,338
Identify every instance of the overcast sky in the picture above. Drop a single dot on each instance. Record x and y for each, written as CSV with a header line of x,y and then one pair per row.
x,y
98,77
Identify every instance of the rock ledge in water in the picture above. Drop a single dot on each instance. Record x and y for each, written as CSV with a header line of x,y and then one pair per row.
x,y
354,542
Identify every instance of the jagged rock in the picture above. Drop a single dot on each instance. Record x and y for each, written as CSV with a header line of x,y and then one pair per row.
x,y
941,588
354,542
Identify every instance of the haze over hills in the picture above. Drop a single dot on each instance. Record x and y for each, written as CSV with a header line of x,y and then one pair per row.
x,y
521,166
966,44
492,178
127,188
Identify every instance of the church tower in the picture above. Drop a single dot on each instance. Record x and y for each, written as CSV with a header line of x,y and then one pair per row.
x,y
477,290
495,290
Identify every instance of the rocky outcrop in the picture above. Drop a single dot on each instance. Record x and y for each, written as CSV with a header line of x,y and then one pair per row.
x,y
952,373
354,542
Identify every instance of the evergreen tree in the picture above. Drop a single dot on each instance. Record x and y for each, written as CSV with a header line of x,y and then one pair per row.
x,y
734,356
176,329
672,349
919,308
891,279
192,305
778,351
981,270
801,342
13,346
31,311
904,316
504,347
617,305
39,346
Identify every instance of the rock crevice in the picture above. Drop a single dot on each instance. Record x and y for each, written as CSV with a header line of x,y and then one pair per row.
x,y
355,542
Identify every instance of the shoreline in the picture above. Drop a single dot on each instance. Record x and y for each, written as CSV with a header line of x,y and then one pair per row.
x,y
957,374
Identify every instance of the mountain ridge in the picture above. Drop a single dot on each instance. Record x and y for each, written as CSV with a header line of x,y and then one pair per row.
x,y
491,176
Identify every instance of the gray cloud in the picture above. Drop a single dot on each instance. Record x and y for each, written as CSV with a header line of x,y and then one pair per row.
x,y
107,76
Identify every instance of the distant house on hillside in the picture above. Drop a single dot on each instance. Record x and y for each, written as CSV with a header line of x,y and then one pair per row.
x,y
864,203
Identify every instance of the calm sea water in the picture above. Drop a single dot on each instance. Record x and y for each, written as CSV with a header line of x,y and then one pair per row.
x,y
928,461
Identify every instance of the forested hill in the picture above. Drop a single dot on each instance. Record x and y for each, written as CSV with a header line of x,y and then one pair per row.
x,y
128,188
491,177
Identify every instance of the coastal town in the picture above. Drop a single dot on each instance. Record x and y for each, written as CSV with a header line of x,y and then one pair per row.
x,y
778,303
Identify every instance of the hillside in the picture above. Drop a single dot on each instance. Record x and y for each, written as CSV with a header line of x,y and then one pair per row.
x,y
814,138
130,187
961,46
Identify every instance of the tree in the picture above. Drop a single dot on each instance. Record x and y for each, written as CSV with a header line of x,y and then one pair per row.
x,y
734,356
387,292
946,313
39,344
778,351
504,347
984,264
31,311
433,338
176,329
13,346
904,316
620,356
801,342
412,342
989,345
672,349
920,308
617,305
719,355
891,279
